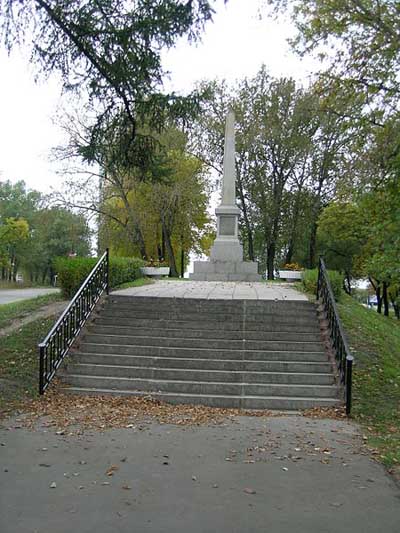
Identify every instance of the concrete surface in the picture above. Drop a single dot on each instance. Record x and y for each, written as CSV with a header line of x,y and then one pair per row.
x,y
15,295
215,290
280,475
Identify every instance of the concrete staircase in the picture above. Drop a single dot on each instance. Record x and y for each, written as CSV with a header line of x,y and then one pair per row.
x,y
251,354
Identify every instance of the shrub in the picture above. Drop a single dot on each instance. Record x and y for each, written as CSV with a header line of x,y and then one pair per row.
x,y
73,271
310,278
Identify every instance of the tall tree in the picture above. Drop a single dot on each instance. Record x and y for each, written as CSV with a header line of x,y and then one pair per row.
x,y
360,41
109,52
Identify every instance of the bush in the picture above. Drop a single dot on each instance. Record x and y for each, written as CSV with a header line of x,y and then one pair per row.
x,y
310,278
73,271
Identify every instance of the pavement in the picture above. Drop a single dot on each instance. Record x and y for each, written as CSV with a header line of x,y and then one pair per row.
x,y
216,290
15,295
279,474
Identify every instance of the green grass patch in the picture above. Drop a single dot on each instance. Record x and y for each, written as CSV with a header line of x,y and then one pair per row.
x,y
375,342
136,283
19,364
15,310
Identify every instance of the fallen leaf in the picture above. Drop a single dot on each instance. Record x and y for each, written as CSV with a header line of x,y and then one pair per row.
x,y
111,471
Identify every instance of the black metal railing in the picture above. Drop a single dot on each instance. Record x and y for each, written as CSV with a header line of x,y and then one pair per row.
x,y
54,347
343,358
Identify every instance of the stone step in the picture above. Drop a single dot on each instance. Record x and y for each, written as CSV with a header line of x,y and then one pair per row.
x,y
201,364
146,302
274,308
199,387
220,401
155,373
158,351
224,344
204,333
239,318
303,327
234,402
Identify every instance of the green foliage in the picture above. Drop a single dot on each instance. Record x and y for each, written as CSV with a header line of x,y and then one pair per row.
x,y
360,41
289,156
310,279
73,271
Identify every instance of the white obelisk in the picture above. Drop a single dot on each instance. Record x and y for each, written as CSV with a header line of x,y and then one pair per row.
x,y
226,256
227,246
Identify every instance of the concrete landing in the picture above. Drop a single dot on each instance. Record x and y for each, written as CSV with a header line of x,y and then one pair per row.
x,y
216,290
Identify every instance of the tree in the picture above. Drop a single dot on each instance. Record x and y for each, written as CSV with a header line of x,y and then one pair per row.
x,y
13,233
170,212
56,232
32,234
365,38
109,53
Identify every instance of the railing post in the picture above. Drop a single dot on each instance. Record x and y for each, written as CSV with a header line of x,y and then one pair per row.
x,y
349,380
41,368
108,271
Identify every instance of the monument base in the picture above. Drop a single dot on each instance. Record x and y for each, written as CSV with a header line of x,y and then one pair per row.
x,y
225,271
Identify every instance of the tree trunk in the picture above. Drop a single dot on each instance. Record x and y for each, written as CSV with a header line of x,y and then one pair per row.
x,y
379,298
249,231
182,262
313,245
141,243
385,299
170,253
270,260
396,307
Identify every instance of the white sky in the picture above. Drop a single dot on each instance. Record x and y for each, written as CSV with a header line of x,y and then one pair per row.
x,y
234,46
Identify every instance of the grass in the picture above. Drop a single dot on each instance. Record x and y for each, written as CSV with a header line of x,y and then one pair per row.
x,y
375,342
136,283
13,311
19,362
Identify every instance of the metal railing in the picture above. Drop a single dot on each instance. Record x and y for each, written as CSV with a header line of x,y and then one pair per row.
x,y
344,360
54,347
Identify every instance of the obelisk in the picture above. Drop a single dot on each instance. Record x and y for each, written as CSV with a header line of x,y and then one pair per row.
x,y
226,257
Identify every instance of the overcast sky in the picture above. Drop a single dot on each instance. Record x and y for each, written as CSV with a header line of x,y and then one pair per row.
x,y
234,46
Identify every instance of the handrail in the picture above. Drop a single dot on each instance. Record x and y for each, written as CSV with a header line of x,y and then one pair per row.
x,y
344,360
55,346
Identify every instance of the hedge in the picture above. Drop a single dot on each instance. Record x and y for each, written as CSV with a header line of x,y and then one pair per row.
x,y
71,272
310,279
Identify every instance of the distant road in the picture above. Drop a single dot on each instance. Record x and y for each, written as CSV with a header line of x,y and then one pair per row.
x,y
15,295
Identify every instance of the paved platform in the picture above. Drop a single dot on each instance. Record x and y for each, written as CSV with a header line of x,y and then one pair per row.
x,y
216,290
251,475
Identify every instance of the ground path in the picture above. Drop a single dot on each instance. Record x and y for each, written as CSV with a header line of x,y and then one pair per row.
x,y
16,295
214,290
249,475
46,311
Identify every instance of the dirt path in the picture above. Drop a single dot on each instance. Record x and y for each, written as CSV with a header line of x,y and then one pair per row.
x,y
44,312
